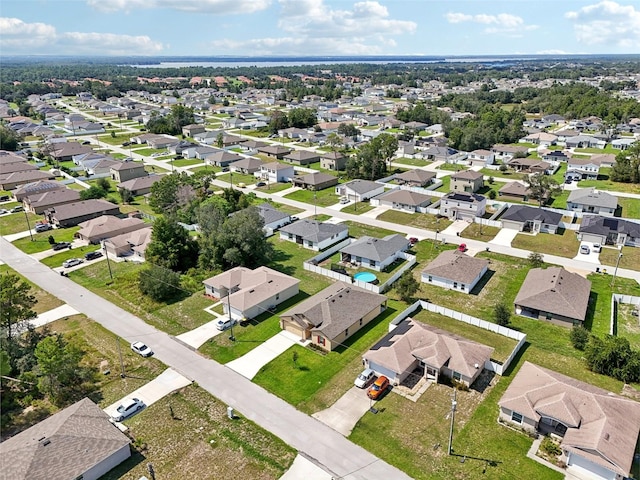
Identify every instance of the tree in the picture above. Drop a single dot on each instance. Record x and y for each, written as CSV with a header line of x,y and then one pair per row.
x,y
536,260
407,286
16,302
170,193
348,130
159,283
279,121
386,146
542,187
627,166
94,191
302,117
579,337
171,246
502,314
9,140
220,140
126,195
104,184
613,356
334,141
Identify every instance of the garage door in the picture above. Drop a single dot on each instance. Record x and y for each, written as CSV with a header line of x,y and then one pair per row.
x,y
293,328
588,470
380,370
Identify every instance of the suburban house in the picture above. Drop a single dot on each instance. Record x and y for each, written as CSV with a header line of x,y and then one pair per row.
x,y
246,166
123,171
72,214
555,295
584,141
375,253
515,190
333,161
15,179
433,352
64,151
589,200
609,231
468,181
462,206
623,143
455,270
39,202
252,292
276,172
193,129
34,188
598,429
301,157
6,168
107,226
315,181
359,190
272,218
556,156
530,165
222,158
531,219
540,138
274,151
403,200
332,316
415,178
314,235
481,157
140,185
582,169
507,152
132,243
77,442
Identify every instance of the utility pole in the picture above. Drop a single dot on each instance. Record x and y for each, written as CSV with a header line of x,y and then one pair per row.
x,y
28,225
106,254
231,337
615,272
453,416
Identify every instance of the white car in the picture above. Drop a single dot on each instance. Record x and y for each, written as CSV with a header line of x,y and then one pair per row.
x,y
597,247
141,349
585,250
128,408
72,262
344,200
364,378
224,323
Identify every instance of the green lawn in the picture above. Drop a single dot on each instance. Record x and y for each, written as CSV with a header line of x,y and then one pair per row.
x,y
351,271
630,207
452,167
274,187
627,324
357,230
419,220
565,244
510,174
237,178
297,383
77,252
118,140
147,152
601,291
483,233
606,184
607,149
358,208
446,184
417,162
323,198
16,222
630,257
40,241
185,162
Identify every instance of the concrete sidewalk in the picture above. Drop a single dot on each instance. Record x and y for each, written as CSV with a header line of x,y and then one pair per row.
x,y
250,363
165,383
303,468
343,415
53,315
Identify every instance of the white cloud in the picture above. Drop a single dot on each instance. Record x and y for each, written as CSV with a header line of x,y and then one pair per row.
x,y
216,7
311,27
552,51
503,23
607,23
40,38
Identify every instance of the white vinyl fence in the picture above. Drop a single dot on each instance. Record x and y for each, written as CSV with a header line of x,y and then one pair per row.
x,y
616,299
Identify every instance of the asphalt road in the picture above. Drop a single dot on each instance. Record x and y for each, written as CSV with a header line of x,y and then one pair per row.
x,y
304,433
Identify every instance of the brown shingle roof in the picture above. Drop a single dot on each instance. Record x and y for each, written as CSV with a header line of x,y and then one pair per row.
x,y
603,427
456,266
557,291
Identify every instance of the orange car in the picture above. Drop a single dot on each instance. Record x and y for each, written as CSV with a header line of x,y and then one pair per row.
x,y
378,387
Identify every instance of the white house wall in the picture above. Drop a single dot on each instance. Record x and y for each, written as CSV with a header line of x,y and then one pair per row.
x,y
107,464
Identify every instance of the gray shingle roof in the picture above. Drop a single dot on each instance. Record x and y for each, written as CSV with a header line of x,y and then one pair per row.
x,y
311,230
65,445
557,291
416,175
456,266
405,197
605,225
378,249
335,308
362,186
524,213
269,214
589,197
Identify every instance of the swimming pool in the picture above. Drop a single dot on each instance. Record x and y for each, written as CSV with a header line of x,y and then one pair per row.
x,y
365,277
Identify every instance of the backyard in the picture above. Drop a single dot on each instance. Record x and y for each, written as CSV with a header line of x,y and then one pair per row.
x,y
321,198
628,324
418,220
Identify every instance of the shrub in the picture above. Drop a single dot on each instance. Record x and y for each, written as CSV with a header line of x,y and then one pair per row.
x,y
502,314
550,447
492,194
159,283
536,260
579,337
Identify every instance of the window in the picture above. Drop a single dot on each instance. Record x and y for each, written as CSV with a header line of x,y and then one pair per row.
x,y
430,278
455,284
516,417
456,375
360,322
346,332
277,296
320,340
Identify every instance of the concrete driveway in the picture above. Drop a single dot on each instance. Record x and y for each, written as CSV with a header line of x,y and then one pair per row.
x,y
250,363
592,256
343,415
456,227
53,315
504,237
302,467
165,383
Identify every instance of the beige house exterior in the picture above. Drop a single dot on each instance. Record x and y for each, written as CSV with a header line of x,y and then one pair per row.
x,y
468,181
333,315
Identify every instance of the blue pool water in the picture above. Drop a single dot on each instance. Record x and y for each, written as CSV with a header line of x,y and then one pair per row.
x,y
365,277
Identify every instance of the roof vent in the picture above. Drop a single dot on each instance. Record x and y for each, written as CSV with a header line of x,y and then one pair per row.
x,y
606,436
553,290
477,366
45,442
251,291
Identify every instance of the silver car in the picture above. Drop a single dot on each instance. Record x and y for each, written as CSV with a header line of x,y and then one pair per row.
x,y
364,378
128,408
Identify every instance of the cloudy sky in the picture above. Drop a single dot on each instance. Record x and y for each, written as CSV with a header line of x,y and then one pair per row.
x,y
318,27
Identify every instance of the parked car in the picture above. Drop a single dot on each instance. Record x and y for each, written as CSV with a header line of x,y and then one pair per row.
x,y
43,227
4,198
413,241
364,378
261,184
585,250
3,211
294,219
224,323
128,408
61,246
225,169
241,185
378,388
462,247
86,142
141,349
17,208
92,255
126,144
72,262
568,181
344,200
597,247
